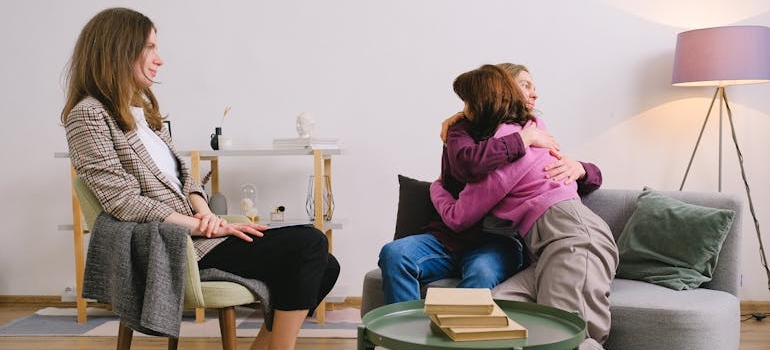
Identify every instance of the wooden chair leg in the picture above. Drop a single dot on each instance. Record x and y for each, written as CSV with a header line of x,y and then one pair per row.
x,y
227,328
124,337
172,343
80,255
200,315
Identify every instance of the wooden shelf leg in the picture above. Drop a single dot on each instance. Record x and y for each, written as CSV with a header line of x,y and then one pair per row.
x,y
318,187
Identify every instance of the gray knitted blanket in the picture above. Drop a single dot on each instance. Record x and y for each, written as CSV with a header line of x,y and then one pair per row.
x,y
139,269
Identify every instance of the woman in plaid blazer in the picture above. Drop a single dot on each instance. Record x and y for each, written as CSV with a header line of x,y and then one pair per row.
x,y
120,149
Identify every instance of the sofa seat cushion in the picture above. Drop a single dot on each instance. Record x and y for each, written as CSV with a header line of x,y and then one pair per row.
x,y
644,313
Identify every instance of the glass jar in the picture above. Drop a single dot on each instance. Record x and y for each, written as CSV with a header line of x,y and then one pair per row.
x,y
326,196
249,202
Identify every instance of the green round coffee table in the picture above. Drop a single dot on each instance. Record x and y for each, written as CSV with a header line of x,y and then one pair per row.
x,y
403,326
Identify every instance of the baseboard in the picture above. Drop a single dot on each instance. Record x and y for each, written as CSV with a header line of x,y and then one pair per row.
x,y
55,300
350,302
46,300
748,307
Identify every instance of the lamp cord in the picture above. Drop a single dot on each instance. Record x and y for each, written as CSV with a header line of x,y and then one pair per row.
x,y
748,192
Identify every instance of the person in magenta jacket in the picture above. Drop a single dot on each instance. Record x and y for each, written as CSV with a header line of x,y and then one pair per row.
x,y
575,256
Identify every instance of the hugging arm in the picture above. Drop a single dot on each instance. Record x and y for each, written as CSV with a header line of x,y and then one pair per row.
x,y
587,175
470,161
473,203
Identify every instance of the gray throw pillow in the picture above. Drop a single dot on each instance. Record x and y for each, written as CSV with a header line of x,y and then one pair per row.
x,y
672,243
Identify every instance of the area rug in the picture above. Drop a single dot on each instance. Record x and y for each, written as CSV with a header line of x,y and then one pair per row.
x,y
62,322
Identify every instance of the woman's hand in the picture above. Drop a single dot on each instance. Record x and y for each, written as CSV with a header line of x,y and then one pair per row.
x,y
449,122
208,225
209,222
242,230
564,169
531,135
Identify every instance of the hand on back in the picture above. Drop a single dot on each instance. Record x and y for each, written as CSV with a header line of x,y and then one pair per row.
x,y
449,122
531,135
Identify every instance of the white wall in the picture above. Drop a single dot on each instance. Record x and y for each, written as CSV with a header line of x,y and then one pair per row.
x,y
376,74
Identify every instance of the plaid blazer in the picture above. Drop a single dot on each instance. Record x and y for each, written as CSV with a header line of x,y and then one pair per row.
x,y
121,173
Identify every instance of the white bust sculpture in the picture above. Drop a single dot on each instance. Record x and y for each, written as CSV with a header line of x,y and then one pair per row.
x,y
305,124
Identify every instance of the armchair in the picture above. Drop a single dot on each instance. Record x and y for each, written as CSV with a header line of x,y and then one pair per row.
x,y
220,295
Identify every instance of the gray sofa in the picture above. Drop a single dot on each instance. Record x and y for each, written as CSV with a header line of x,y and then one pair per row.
x,y
648,316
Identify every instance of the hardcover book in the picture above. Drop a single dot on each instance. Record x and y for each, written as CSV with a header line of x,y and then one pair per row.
x,y
512,331
497,318
306,143
473,301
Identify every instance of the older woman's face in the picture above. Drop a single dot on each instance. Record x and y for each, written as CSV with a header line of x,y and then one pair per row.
x,y
147,65
527,87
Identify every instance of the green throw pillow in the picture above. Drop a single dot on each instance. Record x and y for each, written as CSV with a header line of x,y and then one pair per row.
x,y
672,243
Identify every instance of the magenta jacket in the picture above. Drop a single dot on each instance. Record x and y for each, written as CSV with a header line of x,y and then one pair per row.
x,y
464,160
518,191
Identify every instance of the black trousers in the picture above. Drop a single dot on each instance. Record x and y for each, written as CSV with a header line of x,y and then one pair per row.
x,y
293,262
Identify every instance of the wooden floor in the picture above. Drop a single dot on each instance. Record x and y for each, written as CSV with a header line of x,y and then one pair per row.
x,y
755,335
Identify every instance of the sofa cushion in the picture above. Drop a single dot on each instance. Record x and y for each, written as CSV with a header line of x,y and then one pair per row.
x,y
646,316
672,243
415,209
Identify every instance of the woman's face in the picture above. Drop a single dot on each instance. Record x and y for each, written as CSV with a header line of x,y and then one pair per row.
x,y
527,87
146,66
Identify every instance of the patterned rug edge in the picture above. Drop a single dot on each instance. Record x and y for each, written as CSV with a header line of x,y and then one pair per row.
x,y
101,323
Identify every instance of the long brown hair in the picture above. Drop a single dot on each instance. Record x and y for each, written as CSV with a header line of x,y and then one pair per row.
x,y
102,66
492,98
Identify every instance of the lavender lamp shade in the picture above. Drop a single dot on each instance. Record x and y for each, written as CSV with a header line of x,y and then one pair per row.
x,y
722,56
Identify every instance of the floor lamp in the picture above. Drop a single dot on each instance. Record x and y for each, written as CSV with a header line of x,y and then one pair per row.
x,y
721,57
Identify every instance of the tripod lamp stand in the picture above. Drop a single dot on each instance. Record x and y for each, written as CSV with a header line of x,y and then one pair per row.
x,y
721,57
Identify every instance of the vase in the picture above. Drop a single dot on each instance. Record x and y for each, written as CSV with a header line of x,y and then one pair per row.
x,y
215,138
218,203
326,195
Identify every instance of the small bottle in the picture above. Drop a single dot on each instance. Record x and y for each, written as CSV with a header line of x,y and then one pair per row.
x,y
249,202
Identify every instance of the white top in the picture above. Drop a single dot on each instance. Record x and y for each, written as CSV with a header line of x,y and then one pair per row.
x,y
157,149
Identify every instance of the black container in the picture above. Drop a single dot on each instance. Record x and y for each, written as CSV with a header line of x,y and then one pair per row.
x,y
215,138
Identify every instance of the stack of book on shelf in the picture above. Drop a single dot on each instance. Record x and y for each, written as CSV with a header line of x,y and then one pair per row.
x,y
306,143
465,314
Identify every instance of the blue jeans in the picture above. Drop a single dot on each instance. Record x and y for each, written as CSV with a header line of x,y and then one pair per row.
x,y
409,262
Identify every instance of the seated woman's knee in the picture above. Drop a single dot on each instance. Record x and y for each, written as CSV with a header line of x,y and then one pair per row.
x,y
486,278
392,251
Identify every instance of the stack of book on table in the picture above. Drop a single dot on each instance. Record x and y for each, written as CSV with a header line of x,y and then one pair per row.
x,y
306,143
465,314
